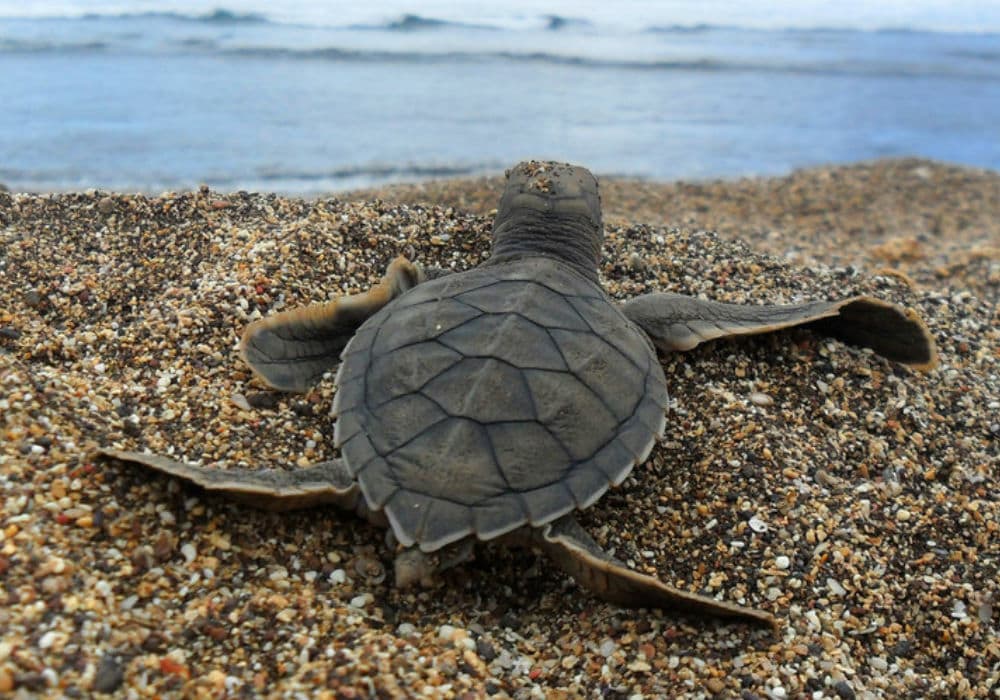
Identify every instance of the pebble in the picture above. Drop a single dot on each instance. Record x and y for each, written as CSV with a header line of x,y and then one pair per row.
x,y
782,562
835,587
486,651
189,552
759,399
240,401
109,675
715,685
48,639
106,205
844,690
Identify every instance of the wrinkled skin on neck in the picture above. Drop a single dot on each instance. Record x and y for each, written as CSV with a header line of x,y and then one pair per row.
x,y
551,210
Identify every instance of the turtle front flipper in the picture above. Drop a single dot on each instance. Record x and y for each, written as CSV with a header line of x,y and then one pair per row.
x,y
678,322
575,551
291,350
325,483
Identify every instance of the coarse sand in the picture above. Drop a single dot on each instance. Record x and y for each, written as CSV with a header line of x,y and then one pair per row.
x,y
853,498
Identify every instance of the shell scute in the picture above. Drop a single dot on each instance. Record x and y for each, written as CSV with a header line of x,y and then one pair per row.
x,y
406,370
506,336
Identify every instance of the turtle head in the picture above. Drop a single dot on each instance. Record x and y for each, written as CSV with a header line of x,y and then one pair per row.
x,y
550,209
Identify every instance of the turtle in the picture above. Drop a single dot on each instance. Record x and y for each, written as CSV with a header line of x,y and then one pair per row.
x,y
494,403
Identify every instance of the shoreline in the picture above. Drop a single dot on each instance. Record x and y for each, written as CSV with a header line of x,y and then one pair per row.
x,y
119,316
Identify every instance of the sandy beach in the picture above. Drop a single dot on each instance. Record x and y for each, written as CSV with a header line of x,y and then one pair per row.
x,y
935,223
854,499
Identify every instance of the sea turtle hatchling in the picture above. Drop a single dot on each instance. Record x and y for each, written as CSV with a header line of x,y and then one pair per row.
x,y
493,403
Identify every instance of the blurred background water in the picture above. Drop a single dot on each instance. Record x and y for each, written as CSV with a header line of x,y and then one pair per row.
x,y
316,96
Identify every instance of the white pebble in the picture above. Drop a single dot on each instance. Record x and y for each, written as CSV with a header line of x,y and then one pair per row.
x,y
813,619
338,576
608,647
446,632
360,601
757,525
240,401
47,640
782,562
760,399
902,515
406,629
504,659
835,587
778,692
878,663
189,551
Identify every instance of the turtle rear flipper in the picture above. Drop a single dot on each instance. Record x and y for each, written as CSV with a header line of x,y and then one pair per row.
x,y
678,322
291,350
325,483
577,554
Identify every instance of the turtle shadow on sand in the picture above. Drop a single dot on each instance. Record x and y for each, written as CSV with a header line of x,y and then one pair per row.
x,y
493,403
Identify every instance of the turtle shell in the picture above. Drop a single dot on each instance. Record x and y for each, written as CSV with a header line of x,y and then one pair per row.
x,y
483,401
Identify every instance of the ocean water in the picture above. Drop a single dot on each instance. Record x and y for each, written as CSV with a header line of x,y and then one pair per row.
x,y
316,96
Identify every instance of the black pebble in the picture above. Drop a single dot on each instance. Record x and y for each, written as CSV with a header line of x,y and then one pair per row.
x,y
109,675
844,690
485,650
263,399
